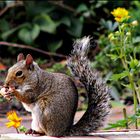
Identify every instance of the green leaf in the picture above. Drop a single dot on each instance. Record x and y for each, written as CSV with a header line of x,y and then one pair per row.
x,y
118,124
76,27
113,56
136,39
4,25
46,24
122,75
29,34
82,8
6,34
35,31
22,129
127,85
66,21
55,45
34,8
115,48
134,63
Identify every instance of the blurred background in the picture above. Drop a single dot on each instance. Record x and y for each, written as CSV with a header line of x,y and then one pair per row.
x,y
47,28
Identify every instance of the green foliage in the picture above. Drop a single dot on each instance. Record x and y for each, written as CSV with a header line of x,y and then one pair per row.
x,y
121,75
22,129
122,43
59,67
51,24
108,25
55,45
121,124
122,49
29,34
30,21
121,52
45,23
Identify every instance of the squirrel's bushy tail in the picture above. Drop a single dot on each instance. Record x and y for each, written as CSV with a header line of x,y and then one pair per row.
x,y
98,92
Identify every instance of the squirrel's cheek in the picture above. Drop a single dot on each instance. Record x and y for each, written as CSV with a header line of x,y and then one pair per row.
x,y
13,84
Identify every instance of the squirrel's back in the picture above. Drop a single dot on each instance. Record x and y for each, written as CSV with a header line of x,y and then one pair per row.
x,y
60,105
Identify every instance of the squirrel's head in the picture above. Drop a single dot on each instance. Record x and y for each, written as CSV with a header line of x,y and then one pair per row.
x,y
19,72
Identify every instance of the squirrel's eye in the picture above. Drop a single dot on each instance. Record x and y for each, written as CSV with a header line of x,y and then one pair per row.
x,y
19,73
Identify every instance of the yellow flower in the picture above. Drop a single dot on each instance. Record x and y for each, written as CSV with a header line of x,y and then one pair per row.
x,y
120,14
14,120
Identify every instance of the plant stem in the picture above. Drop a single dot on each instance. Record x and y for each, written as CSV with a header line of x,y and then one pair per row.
x,y
134,97
130,76
138,92
133,90
17,130
125,117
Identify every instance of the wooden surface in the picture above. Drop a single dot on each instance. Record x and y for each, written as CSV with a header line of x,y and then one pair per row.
x,y
131,135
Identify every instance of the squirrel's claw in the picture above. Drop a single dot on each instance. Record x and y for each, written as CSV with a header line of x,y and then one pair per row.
x,y
33,132
29,131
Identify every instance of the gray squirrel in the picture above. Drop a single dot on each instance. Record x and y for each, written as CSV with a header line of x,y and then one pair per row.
x,y
52,98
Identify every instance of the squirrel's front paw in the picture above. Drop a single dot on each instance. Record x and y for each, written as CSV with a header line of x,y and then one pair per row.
x,y
6,92
33,132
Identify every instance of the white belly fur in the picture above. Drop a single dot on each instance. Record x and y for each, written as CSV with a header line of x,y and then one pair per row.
x,y
34,109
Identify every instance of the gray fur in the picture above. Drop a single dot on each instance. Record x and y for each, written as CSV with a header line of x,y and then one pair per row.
x,y
52,98
98,92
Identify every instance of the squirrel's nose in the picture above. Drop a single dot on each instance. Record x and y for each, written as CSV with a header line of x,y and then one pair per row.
x,y
10,83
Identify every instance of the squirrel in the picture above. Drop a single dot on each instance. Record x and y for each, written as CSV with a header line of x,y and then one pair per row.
x,y
52,98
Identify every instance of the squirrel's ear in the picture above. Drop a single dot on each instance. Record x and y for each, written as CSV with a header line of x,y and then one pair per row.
x,y
29,60
20,57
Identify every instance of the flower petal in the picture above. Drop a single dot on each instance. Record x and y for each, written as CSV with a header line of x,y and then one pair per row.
x,y
10,124
12,116
120,14
17,124
14,120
